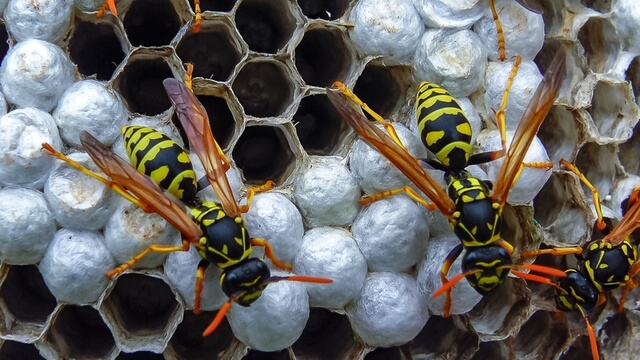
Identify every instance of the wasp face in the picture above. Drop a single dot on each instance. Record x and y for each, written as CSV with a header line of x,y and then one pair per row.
x,y
245,281
577,289
491,264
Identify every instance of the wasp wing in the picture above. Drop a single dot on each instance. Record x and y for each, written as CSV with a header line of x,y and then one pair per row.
x,y
147,192
532,118
629,223
195,122
404,161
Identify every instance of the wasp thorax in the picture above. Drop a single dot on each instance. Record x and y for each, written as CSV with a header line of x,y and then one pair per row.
x,y
245,281
490,265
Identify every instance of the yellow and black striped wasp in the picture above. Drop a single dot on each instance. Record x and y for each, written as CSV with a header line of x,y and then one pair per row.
x,y
472,209
216,230
606,264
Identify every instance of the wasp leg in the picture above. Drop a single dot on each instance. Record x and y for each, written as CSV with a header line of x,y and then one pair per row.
x,y
197,22
575,250
202,267
153,248
446,265
110,184
547,165
268,252
406,190
252,191
596,194
188,77
502,52
500,114
390,130
111,4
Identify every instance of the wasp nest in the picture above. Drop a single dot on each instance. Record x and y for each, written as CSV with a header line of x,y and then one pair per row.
x,y
261,68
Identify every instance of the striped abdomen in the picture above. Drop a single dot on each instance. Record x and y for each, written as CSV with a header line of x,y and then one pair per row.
x,y
157,156
444,128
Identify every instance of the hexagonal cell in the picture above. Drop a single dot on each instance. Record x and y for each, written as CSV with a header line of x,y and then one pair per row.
x,y
14,350
141,307
327,335
632,75
383,87
151,22
264,88
263,153
265,25
602,6
323,9
544,335
4,40
598,164
188,343
600,42
493,350
260,355
220,118
140,355
446,338
214,5
628,152
323,55
392,353
140,83
96,48
214,51
616,333
579,349
559,134
26,301
79,332
319,126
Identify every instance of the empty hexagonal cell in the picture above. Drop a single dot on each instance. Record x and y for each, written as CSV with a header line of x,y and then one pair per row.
x,y
543,334
96,48
327,335
579,349
600,42
493,350
597,163
220,118
559,134
151,22
263,153
450,338
140,84
265,25
214,51
141,307
382,87
319,127
79,332
391,353
323,9
214,5
602,6
139,355
261,355
4,40
633,76
26,301
628,153
14,350
188,343
616,334
323,55
264,88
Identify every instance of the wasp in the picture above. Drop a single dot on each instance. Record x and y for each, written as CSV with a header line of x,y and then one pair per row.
x,y
607,263
472,209
217,230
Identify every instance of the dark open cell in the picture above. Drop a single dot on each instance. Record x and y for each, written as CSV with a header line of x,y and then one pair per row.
x,y
141,86
263,89
260,355
633,76
392,353
445,338
4,37
211,51
318,125
26,295
151,23
322,57
96,49
188,342
220,118
492,350
328,335
142,304
599,39
140,355
14,350
263,153
323,9
265,25
378,89
214,5
80,332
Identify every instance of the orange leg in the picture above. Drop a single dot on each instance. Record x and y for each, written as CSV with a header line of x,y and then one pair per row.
x,y
153,248
502,52
446,265
576,250
268,252
202,267
596,194
197,22
111,4
252,191
500,114
405,189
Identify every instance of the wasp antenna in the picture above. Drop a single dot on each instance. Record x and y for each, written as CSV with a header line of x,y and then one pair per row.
x,y
592,334
451,283
218,319
536,278
542,269
301,278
